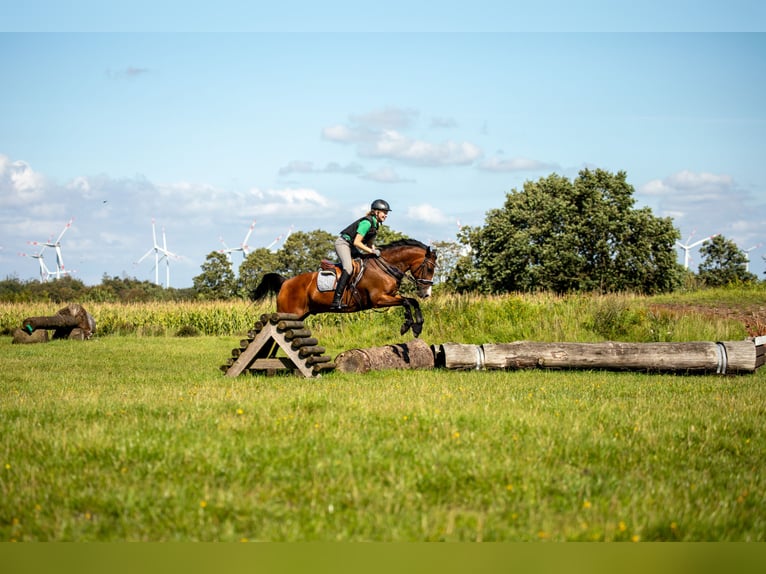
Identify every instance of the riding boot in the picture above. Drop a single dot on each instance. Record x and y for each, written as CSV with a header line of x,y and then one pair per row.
x,y
337,301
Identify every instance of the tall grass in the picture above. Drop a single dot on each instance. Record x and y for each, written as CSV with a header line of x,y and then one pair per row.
x,y
458,318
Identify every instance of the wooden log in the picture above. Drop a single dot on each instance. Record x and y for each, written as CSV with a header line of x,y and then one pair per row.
x,y
320,368
299,342
415,354
64,323
291,334
285,325
311,350
692,357
275,318
51,322
316,359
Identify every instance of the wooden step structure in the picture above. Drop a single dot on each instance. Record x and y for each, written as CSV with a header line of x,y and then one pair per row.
x,y
279,342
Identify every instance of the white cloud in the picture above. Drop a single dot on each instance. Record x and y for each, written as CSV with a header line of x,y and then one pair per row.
x,y
393,145
427,213
387,118
514,164
385,175
20,185
300,166
378,135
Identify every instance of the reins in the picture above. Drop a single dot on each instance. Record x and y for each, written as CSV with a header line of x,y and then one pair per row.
x,y
398,274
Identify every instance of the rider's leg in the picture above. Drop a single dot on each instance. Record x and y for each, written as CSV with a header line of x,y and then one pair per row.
x,y
343,249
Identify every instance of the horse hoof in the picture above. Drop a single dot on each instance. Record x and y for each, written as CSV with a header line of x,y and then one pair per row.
x,y
404,329
417,328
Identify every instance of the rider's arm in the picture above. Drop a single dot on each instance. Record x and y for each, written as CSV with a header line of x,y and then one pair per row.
x,y
361,246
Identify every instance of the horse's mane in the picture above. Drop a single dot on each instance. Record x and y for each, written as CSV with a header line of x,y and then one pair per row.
x,y
404,243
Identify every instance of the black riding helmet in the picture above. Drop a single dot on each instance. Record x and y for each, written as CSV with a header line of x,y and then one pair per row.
x,y
380,205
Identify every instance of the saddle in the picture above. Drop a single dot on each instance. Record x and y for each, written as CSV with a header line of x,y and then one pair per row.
x,y
329,272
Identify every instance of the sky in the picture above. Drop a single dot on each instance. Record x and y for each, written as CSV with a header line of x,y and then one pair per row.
x,y
204,120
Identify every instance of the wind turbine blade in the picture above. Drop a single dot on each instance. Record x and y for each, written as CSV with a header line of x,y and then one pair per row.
x,y
247,237
67,226
145,255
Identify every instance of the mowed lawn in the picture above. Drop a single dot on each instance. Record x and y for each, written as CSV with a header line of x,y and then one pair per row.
x,y
130,438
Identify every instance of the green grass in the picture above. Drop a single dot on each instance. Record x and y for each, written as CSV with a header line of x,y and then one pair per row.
x,y
143,439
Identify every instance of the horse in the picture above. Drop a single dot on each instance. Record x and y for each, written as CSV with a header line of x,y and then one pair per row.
x,y
377,287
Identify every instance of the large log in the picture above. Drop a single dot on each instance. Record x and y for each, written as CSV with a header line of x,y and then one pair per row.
x,y
71,322
694,357
415,354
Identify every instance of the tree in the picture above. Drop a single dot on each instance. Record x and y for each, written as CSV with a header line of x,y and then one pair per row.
x,y
302,252
582,235
723,263
388,235
217,279
258,262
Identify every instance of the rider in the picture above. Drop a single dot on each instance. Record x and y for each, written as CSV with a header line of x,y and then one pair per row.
x,y
355,240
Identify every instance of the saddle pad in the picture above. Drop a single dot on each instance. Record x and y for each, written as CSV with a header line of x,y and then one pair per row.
x,y
326,280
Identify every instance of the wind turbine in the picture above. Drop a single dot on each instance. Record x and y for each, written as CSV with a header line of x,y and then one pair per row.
x,y
160,253
243,247
747,256
45,273
688,246
279,238
56,245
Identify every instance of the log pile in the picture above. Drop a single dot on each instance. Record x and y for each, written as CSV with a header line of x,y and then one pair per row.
x,y
71,322
278,342
415,354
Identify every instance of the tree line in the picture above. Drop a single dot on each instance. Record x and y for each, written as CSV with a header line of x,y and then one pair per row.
x,y
555,235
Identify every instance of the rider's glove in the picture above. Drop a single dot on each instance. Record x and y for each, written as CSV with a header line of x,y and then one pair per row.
x,y
376,252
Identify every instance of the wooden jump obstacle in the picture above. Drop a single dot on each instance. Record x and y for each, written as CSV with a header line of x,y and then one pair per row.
x,y
273,333
723,358
71,322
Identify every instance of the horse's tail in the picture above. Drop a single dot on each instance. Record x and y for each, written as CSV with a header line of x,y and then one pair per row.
x,y
270,283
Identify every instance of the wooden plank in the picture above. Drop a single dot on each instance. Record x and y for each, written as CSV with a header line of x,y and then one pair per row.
x,y
271,364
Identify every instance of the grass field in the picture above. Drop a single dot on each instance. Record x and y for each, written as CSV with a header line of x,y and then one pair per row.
x,y
141,438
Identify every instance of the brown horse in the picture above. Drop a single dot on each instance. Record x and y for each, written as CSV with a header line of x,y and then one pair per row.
x,y
377,287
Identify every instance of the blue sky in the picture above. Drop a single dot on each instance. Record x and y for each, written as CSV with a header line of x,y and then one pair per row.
x,y
298,117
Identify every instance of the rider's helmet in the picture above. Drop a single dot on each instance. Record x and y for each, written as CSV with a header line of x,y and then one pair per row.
x,y
380,205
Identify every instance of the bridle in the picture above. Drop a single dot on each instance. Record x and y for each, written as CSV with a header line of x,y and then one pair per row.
x,y
399,275
422,268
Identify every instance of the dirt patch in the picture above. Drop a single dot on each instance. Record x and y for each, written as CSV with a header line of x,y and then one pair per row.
x,y
753,317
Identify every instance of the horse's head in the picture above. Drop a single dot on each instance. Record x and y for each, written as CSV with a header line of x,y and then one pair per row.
x,y
424,273
417,258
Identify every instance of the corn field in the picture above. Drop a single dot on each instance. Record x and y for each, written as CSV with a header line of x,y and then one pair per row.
x,y
463,318
151,319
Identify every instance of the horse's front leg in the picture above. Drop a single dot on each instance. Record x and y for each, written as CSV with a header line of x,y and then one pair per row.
x,y
408,322
417,324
